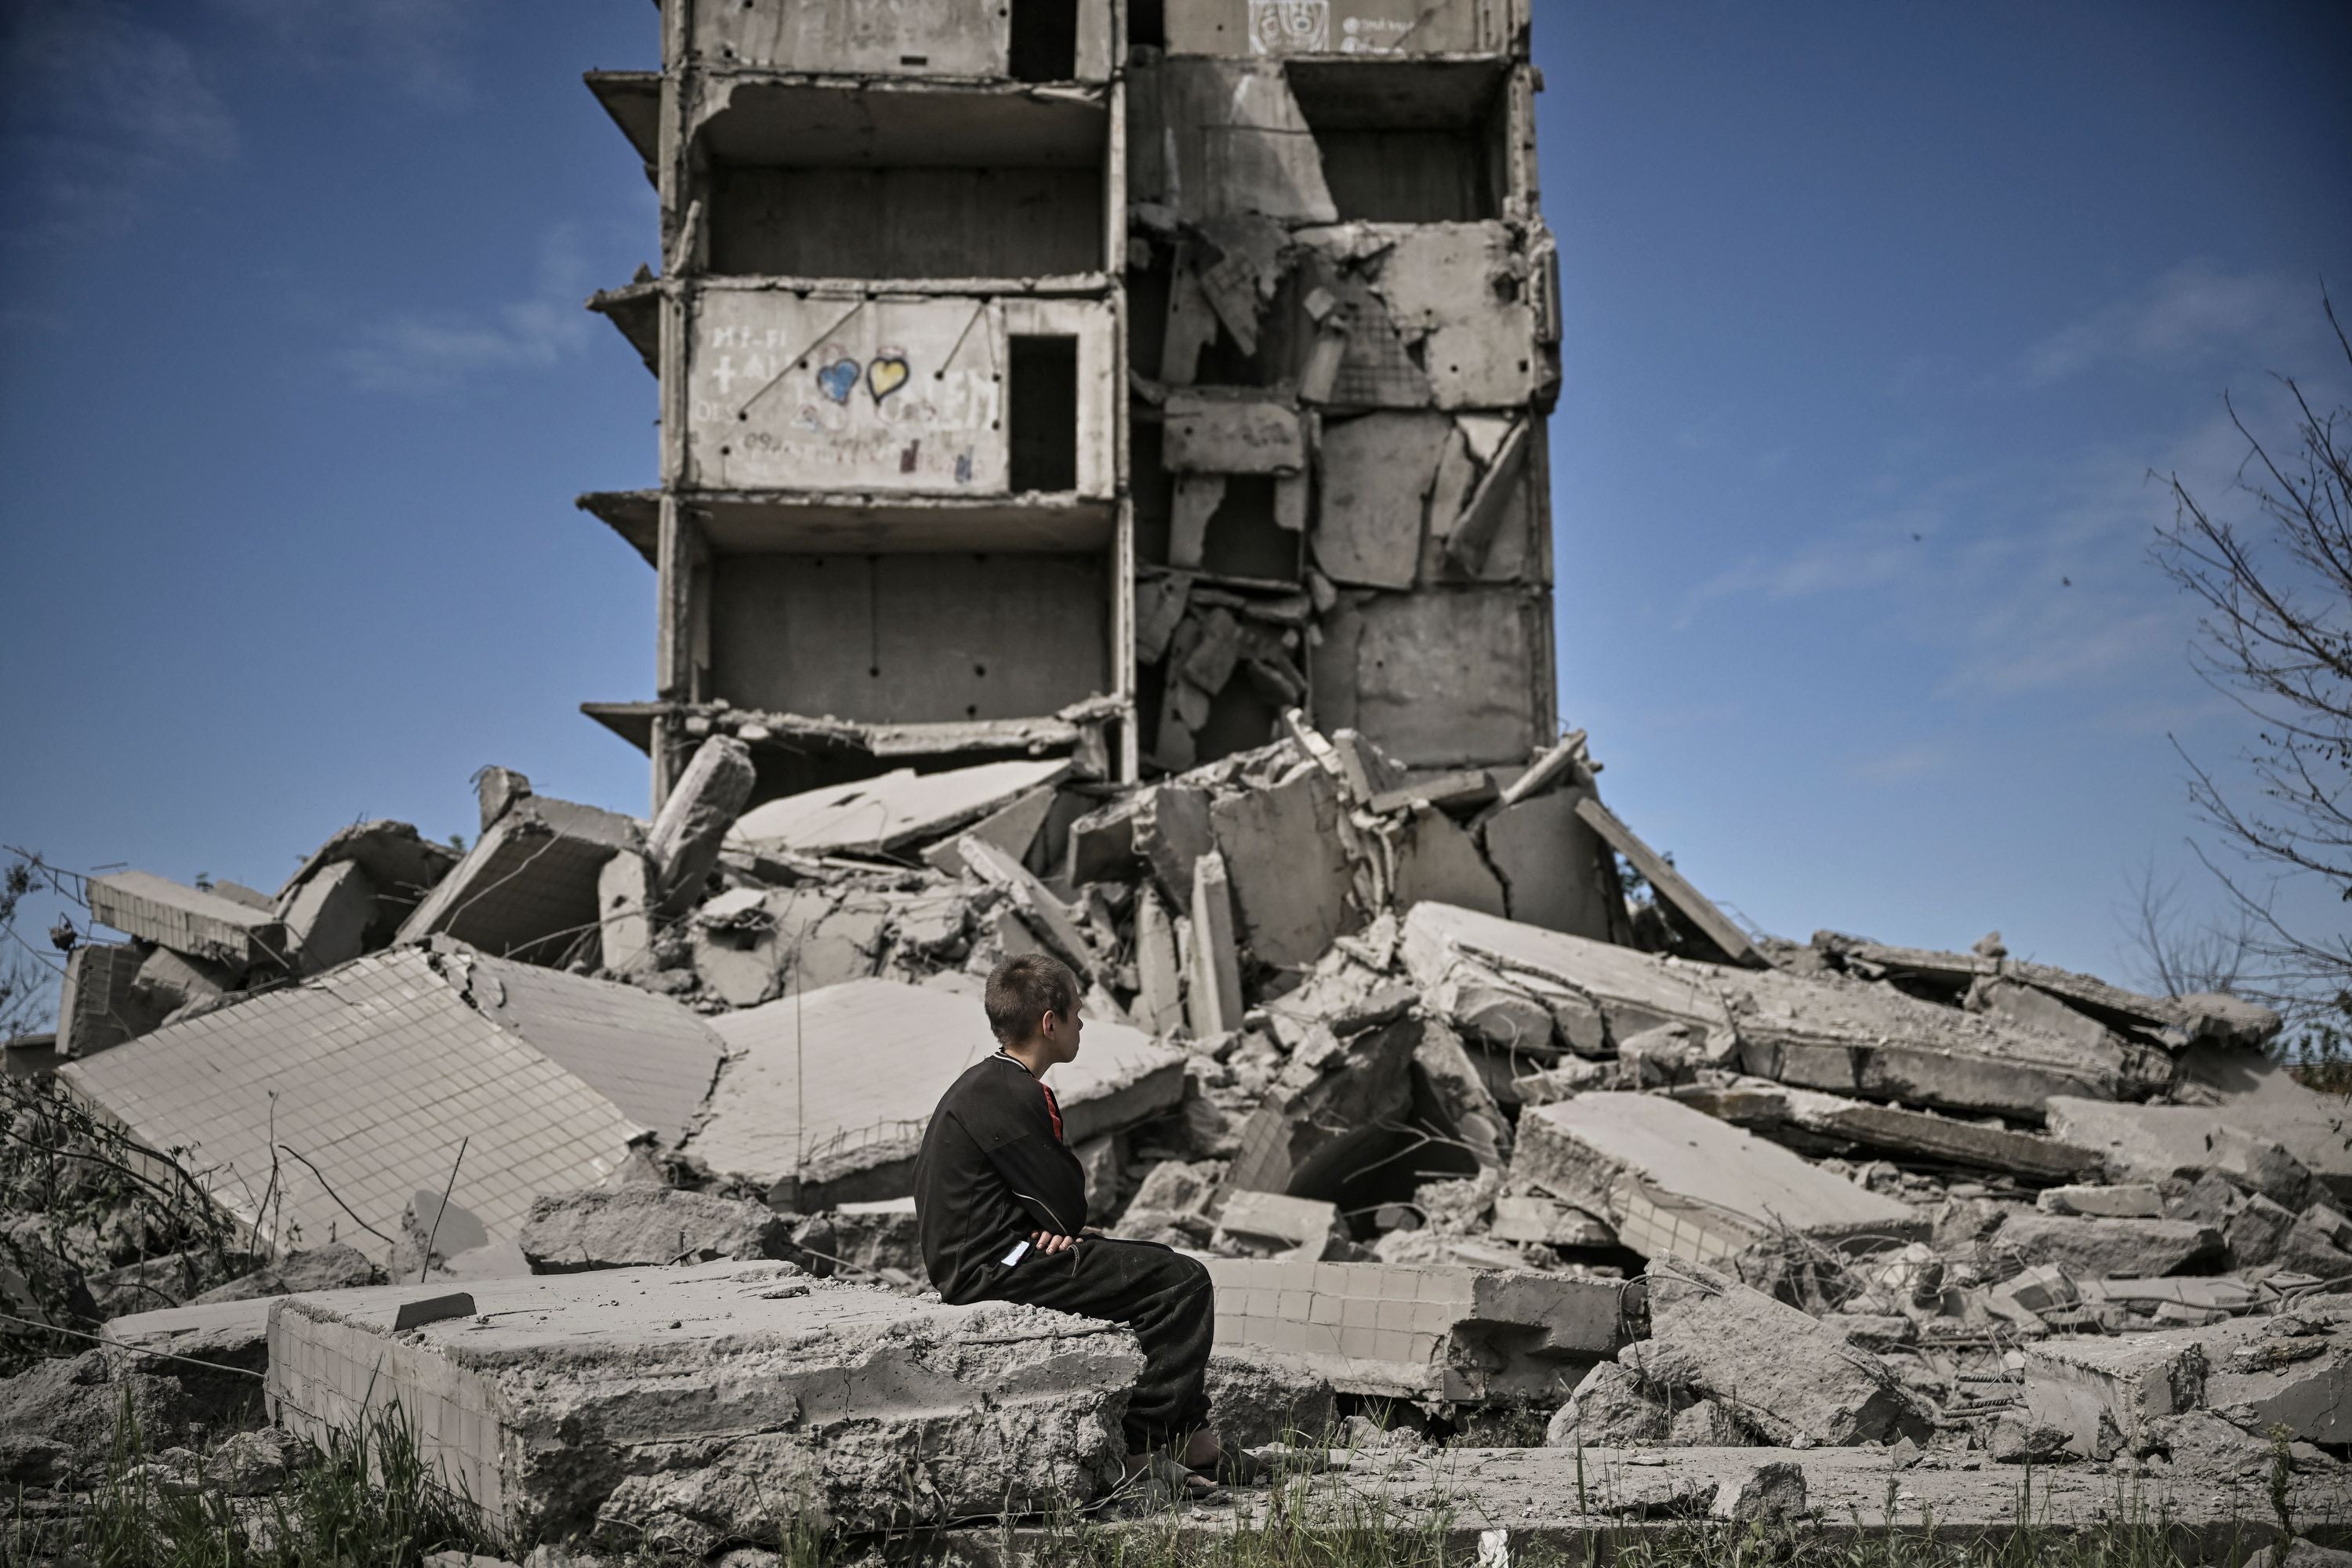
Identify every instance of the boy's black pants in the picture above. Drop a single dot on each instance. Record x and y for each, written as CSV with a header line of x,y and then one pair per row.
x,y
1160,1294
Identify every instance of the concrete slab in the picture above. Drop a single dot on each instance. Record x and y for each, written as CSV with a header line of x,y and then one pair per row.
x,y
1424,1331
528,888
186,919
1291,882
889,813
1670,884
373,1074
402,864
1548,860
1375,473
825,1094
1788,1376
1231,434
686,1407
329,916
1868,1042
685,839
99,1006
2247,1092
1677,1183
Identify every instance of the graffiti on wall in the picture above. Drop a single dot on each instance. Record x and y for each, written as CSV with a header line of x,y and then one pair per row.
x,y
791,393
1304,27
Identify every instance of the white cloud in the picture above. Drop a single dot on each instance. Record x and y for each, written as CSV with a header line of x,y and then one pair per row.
x,y
99,106
2193,312
429,351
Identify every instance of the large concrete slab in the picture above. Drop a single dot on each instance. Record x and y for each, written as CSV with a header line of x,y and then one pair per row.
x,y
357,1086
825,1095
2248,1091
1421,1331
528,888
893,811
685,1407
1869,1042
186,919
1677,1183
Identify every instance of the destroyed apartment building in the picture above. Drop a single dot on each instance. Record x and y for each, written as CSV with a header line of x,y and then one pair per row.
x,y
1104,512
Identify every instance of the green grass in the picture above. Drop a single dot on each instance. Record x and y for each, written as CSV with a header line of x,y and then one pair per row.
x,y
367,1500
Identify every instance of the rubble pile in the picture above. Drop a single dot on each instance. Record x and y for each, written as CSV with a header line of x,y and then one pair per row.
x,y
1456,1124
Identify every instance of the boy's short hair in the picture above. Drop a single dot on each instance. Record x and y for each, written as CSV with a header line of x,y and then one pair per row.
x,y
1022,990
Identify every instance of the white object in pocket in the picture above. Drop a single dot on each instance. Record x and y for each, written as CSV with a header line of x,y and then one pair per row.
x,y
1020,1250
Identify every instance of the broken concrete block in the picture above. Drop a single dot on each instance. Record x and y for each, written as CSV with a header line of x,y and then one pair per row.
x,y
1436,859
98,1005
635,1227
1669,883
1460,1103
1676,1183
1267,1223
1213,999
893,811
721,1401
1373,474
169,981
1772,1493
496,789
684,842
1261,1397
1542,1222
188,920
1922,1135
2043,1288
2293,1370
401,863
624,902
1430,1331
367,1079
2099,1247
1289,871
1550,862
2016,1003
1372,672
2259,1165
331,1266
2102,1393
1160,999
2127,1200
1609,1409
800,1112
1785,1376
1334,1102
1038,907
328,919
1231,434
2151,1142
1013,829
1470,538
528,888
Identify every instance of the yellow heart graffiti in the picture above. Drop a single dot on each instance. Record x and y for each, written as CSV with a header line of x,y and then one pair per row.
x,y
886,375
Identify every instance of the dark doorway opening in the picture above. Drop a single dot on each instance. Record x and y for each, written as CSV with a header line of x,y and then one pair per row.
x,y
1042,409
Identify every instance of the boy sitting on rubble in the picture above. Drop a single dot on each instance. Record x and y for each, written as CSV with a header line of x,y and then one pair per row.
x,y
1002,1205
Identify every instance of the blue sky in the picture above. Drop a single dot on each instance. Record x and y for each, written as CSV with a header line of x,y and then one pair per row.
x,y
1877,320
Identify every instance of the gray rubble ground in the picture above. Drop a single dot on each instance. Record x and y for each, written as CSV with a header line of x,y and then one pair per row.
x,y
1857,1197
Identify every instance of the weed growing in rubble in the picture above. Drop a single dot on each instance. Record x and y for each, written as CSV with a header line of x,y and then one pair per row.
x,y
365,1499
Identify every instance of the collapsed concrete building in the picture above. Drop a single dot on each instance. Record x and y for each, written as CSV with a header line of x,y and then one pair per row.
x,y
1103,512
1091,380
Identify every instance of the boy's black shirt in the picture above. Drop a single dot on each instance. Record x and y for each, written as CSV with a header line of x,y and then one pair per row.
x,y
993,1172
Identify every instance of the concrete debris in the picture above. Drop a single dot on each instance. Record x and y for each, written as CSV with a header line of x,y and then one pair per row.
x,y
686,1407
630,1227
1784,1375
528,888
684,842
1205,642
337,1098
1676,1183
1432,1332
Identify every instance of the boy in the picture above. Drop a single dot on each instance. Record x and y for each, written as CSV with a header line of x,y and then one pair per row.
x,y
1000,1203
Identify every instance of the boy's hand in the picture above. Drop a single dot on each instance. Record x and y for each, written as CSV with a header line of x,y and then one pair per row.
x,y
1046,1241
